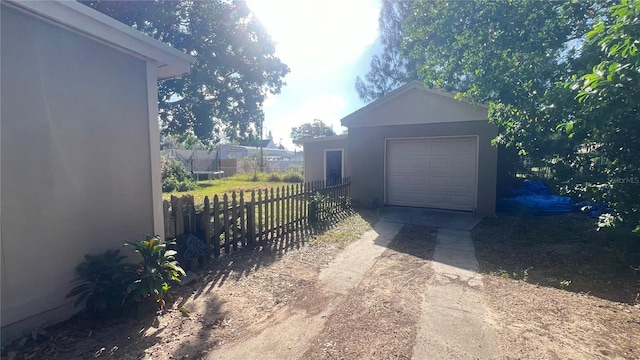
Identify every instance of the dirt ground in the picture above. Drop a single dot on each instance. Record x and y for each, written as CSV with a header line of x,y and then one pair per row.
x,y
242,293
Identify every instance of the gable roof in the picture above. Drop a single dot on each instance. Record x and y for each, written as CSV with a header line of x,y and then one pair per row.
x,y
102,28
415,104
267,143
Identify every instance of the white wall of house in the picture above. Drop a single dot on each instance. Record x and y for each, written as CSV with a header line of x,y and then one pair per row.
x,y
76,161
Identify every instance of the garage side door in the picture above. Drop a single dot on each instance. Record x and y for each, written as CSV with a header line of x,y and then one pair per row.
x,y
432,172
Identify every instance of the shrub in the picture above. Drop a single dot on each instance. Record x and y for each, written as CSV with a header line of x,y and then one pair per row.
x,y
293,177
273,177
175,177
108,285
103,282
153,273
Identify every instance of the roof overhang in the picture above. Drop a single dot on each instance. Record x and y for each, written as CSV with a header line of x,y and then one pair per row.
x,y
321,139
98,26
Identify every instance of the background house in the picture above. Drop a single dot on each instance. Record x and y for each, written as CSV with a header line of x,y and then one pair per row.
x,y
80,158
413,147
276,160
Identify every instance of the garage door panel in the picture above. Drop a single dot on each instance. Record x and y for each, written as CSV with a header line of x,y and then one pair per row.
x,y
438,181
461,202
432,172
439,163
462,182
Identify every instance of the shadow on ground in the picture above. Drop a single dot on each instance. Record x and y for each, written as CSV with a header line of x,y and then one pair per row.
x,y
415,240
238,265
83,337
564,251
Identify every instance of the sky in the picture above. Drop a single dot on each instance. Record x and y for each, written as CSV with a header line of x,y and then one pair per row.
x,y
326,44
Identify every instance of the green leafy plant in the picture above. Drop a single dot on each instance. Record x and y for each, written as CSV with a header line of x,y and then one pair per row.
x,y
316,208
273,177
153,274
103,282
175,177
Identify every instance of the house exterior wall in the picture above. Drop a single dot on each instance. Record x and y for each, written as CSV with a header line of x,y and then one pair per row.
x,y
75,162
314,157
366,158
416,106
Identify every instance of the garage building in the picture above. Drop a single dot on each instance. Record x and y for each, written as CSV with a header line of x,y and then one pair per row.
x,y
413,147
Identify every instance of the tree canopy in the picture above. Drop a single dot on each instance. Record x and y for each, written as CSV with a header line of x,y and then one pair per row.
x,y
314,129
609,113
560,78
235,64
391,69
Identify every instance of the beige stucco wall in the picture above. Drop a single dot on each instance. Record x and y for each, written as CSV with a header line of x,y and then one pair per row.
x,y
75,161
416,106
314,157
366,158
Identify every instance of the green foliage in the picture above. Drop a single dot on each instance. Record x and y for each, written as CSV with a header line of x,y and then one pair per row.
x,y
175,177
392,68
273,177
235,65
153,274
108,285
316,128
183,141
561,79
292,177
608,94
103,283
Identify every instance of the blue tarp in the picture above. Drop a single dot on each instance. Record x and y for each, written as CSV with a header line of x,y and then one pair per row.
x,y
534,197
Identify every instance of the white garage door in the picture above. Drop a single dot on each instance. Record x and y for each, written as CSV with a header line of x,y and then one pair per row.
x,y
432,172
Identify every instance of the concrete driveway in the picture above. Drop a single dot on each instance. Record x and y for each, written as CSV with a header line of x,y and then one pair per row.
x,y
442,219
453,322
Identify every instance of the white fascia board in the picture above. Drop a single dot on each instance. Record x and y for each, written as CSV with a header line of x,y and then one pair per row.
x,y
92,23
321,139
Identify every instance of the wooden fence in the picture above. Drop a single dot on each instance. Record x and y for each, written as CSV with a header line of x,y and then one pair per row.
x,y
245,219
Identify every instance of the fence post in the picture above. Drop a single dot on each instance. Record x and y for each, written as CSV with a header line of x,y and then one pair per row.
x,y
216,226
225,214
243,226
169,226
191,208
260,229
176,205
277,199
251,220
234,221
271,216
206,225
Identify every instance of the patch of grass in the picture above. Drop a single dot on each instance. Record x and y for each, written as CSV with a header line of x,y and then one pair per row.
x,y
564,251
293,177
347,230
237,183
